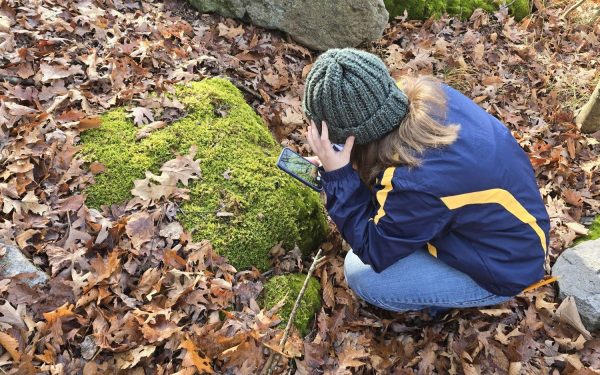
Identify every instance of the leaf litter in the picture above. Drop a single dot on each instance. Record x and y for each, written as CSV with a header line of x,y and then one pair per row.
x,y
130,291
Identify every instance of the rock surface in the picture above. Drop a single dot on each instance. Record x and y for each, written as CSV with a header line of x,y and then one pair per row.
x,y
317,24
14,263
578,269
242,202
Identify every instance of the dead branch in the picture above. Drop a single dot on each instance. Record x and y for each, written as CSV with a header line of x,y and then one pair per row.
x,y
17,80
274,357
571,9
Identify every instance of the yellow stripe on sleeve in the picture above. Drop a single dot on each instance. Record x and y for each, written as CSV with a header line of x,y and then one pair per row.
x,y
386,182
501,197
432,249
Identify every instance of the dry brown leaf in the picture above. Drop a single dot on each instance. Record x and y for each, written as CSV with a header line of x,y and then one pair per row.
x,y
578,228
97,168
131,358
183,168
504,339
496,312
567,313
146,130
12,316
11,345
51,72
141,115
230,32
89,123
154,187
65,311
192,358
140,229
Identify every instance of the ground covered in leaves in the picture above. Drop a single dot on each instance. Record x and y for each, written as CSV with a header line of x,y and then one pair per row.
x,y
156,301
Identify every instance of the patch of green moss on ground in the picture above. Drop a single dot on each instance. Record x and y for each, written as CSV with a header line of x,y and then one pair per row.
x,y
268,205
594,232
463,9
277,287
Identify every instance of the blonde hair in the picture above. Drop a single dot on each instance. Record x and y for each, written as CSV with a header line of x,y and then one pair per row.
x,y
422,128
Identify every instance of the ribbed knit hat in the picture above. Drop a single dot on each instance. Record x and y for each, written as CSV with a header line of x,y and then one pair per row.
x,y
354,93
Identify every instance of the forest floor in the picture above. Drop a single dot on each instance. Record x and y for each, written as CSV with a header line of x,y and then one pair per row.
x,y
176,306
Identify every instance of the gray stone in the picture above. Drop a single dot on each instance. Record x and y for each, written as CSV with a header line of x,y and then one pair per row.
x,y
317,24
578,271
14,263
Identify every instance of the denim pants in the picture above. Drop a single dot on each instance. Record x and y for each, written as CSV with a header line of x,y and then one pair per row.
x,y
416,282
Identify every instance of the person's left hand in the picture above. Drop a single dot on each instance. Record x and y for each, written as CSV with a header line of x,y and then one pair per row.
x,y
321,146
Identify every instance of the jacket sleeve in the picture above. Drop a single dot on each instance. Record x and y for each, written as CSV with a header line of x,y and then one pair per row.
x,y
382,232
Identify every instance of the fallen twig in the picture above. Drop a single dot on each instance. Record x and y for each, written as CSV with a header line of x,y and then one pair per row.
x,y
17,80
571,9
274,357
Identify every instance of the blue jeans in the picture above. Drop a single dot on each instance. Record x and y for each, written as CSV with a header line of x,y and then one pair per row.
x,y
416,282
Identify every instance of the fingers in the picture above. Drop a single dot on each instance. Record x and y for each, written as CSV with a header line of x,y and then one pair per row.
x,y
311,137
348,146
324,131
314,159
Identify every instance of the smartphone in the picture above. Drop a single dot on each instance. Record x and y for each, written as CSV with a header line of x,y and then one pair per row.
x,y
300,168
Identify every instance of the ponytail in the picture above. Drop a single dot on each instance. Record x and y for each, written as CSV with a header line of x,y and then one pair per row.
x,y
422,128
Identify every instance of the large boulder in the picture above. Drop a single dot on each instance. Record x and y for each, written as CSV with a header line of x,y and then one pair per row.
x,y
14,263
315,23
242,202
578,271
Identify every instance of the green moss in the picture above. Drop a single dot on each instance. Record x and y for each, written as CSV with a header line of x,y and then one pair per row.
x,y
594,232
463,9
276,289
268,205
520,9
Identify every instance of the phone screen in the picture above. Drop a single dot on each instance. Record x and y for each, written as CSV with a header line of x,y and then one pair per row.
x,y
299,167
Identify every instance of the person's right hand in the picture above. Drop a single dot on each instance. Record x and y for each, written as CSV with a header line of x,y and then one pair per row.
x,y
321,146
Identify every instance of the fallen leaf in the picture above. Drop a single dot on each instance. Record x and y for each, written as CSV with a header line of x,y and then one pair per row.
x,y
146,130
230,32
141,115
89,123
567,313
11,345
131,358
578,228
140,229
202,364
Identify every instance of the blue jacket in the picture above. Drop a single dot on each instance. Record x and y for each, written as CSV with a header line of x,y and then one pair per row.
x,y
474,204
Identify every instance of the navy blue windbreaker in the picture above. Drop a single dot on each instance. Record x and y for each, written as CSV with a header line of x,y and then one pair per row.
x,y
474,204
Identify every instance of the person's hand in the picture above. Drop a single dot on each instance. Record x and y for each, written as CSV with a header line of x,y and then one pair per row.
x,y
321,146
315,160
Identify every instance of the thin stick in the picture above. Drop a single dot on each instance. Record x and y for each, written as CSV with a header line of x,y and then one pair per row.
x,y
247,90
571,9
17,80
274,357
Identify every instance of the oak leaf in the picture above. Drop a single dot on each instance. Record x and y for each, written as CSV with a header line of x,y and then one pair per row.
x,y
131,358
11,345
141,115
192,358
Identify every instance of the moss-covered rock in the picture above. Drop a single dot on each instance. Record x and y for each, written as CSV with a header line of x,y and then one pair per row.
x,y
463,9
237,156
276,289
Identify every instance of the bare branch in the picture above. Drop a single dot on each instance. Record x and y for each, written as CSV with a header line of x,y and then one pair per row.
x,y
571,9
274,357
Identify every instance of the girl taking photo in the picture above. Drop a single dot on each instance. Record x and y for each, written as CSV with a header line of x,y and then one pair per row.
x,y
436,198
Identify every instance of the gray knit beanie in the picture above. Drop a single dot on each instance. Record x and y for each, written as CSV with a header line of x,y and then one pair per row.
x,y
354,93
